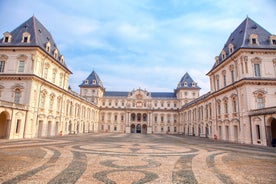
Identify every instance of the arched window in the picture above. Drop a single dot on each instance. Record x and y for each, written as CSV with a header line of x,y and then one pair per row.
x,y
48,46
231,48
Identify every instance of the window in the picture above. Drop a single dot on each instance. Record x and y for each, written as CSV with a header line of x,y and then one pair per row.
x,y
94,82
217,83
253,39
122,118
21,66
26,37
7,37
17,95
115,118
257,70
2,66
56,54
226,106
258,131
54,75
235,107
233,76
48,45
18,122
260,102
224,79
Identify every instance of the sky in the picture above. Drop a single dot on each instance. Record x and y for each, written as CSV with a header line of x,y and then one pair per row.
x,y
147,44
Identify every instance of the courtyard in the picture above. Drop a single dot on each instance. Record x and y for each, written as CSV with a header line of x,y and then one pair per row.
x,y
133,158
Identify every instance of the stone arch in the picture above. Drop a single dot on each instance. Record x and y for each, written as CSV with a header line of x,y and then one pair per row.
x,y
4,124
271,131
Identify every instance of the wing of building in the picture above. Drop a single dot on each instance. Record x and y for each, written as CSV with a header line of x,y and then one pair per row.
x,y
35,100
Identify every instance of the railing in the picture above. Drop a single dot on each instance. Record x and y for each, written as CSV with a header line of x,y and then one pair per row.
x,y
268,110
12,105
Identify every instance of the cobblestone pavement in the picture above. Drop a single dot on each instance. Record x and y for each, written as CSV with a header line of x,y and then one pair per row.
x,y
133,158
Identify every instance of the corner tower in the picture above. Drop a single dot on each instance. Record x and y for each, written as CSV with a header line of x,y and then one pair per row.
x,y
187,89
92,88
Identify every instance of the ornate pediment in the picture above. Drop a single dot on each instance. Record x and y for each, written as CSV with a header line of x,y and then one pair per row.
x,y
139,94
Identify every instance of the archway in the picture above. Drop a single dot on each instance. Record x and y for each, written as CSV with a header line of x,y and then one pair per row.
x,y
132,128
138,129
4,125
273,132
144,129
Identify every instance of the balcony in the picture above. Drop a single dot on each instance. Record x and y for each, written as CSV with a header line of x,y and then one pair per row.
x,y
12,105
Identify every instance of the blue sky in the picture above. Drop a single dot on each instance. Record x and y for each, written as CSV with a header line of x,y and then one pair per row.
x,y
148,44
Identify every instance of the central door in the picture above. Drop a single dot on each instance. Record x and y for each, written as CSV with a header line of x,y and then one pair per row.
x,y
138,129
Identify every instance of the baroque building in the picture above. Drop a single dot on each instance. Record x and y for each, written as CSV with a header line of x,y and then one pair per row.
x,y
35,100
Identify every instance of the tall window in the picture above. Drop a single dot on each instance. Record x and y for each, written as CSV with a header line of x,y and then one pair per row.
x,y
233,76
17,95
18,122
226,107
258,131
257,70
235,107
2,66
260,102
219,110
224,78
217,83
21,66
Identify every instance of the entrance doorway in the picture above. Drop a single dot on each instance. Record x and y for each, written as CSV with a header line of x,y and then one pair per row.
x,y
138,129
4,125
132,128
273,132
144,129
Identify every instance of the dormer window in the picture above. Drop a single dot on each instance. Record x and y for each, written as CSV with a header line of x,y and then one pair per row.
x,y
26,37
231,48
273,39
7,38
61,59
94,82
86,81
56,53
254,39
217,60
48,45
193,84
223,54
185,84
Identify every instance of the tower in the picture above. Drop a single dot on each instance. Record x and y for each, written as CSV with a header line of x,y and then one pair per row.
x,y
187,89
92,88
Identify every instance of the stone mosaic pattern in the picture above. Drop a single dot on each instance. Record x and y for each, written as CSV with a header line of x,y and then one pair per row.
x,y
135,159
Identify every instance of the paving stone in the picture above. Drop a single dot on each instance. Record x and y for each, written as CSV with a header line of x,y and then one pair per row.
x,y
134,158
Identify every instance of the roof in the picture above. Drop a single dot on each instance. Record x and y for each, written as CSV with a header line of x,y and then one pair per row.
x,y
116,93
240,38
93,80
163,95
187,82
152,94
39,36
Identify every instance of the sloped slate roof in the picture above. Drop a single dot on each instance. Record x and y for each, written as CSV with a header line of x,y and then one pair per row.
x,y
163,95
116,93
187,79
240,38
39,36
93,80
153,94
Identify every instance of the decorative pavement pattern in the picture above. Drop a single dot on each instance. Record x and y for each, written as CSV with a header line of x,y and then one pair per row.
x,y
134,158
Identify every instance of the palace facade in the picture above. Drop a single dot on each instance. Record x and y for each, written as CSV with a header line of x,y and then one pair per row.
x,y
35,100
